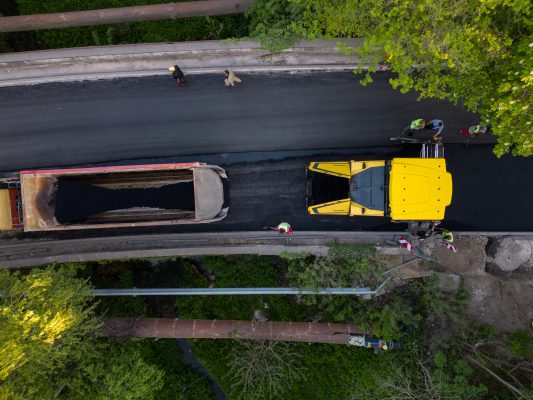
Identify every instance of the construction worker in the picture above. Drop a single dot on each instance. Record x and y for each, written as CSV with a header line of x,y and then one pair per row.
x,y
447,237
177,74
415,125
436,125
284,227
231,78
474,131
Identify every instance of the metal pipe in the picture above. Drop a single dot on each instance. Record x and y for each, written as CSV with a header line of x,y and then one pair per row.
x,y
152,12
318,332
230,291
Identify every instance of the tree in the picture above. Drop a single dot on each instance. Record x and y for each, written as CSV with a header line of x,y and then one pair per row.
x,y
263,369
420,380
47,342
351,266
474,51
43,317
118,372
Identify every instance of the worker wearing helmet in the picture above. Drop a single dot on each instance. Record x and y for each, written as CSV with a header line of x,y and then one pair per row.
x,y
177,74
418,124
284,227
436,125
447,237
385,347
415,125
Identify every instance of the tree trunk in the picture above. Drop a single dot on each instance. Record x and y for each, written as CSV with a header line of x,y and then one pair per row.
x,y
512,388
152,12
229,329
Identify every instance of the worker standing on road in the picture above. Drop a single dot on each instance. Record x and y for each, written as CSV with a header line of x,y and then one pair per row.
x,y
284,227
231,78
178,75
474,131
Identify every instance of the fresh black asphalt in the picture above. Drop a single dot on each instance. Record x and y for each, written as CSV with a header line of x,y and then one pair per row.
x,y
326,116
138,118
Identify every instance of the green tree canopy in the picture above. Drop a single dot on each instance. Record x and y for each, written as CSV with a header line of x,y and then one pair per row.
x,y
48,348
474,51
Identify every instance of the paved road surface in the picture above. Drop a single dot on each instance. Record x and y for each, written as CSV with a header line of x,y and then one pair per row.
x,y
85,122
77,123
489,193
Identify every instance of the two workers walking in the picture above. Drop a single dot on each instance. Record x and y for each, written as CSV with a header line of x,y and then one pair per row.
x,y
179,76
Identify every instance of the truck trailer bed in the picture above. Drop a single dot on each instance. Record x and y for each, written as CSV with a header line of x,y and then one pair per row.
x,y
107,197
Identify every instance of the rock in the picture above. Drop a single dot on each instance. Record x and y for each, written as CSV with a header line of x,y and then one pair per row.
x,y
510,253
504,304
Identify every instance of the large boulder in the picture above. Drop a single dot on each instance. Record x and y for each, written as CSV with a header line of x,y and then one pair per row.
x,y
510,253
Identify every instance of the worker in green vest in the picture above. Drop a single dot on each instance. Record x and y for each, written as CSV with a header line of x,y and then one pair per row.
x,y
415,125
284,227
418,124
447,237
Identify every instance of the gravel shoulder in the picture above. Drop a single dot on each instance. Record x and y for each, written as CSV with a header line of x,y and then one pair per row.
x,y
497,297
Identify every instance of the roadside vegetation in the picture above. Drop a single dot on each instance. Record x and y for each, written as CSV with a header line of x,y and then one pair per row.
x,y
48,349
477,53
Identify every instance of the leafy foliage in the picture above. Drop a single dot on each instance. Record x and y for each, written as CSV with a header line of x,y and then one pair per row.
x,y
437,380
270,22
239,271
476,51
116,372
43,316
346,266
351,266
438,305
520,343
48,348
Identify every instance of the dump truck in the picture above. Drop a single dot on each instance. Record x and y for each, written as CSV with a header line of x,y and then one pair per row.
x,y
113,197
402,189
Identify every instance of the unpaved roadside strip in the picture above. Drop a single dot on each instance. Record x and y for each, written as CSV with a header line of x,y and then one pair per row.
x,y
30,252
17,253
139,60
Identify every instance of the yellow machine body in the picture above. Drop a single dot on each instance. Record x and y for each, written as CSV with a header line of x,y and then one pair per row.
x,y
405,189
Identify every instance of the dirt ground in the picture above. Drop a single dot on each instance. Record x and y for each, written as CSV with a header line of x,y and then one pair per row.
x,y
499,298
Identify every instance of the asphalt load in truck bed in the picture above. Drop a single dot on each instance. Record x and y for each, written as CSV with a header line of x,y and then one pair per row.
x,y
77,201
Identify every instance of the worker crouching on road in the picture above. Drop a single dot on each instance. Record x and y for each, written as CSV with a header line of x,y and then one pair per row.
x,y
231,78
284,227
415,125
178,75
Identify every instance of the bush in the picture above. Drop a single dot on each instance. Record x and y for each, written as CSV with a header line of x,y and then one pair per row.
x,y
270,22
